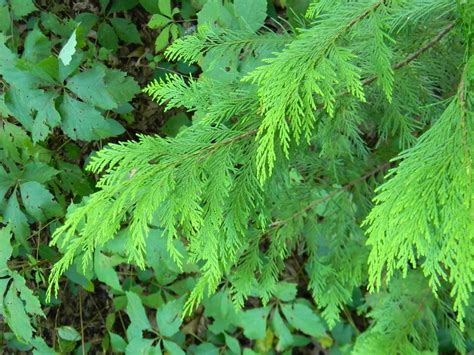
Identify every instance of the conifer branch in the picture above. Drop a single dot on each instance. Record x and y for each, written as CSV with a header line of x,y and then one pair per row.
x,y
417,53
315,203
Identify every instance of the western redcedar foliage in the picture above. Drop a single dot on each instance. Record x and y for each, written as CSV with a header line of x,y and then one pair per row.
x,y
293,130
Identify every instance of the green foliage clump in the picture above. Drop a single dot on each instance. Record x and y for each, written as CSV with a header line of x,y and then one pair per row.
x,y
290,133
312,186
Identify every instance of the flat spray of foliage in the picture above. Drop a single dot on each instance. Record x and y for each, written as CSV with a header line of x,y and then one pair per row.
x,y
292,131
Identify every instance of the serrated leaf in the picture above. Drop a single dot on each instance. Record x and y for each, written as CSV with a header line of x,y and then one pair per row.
x,y
38,201
285,291
232,343
138,318
126,30
16,317
6,248
175,123
4,111
168,317
165,7
214,12
19,101
162,40
39,172
78,278
86,21
47,70
173,348
254,322
34,109
6,182
16,218
73,179
139,346
117,342
251,13
123,5
37,46
121,87
66,53
21,8
104,4
104,269
107,37
5,21
41,348
90,87
206,349
12,138
81,121
31,302
158,21
69,333
220,308
151,6
285,338
47,117
303,318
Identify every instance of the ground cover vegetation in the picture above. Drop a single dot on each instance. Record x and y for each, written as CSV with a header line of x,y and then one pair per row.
x,y
227,177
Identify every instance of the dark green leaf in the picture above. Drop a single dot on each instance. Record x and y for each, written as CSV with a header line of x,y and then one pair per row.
x,y
39,172
107,37
165,7
251,13
81,121
22,8
138,318
232,343
16,218
123,5
168,317
5,21
254,322
5,250
126,30
172,348
117,342
37,46
150,5
158,21
90,87
162,40
303,318
16,316
69,333
139,346
285,338
104,269
285,291
38,201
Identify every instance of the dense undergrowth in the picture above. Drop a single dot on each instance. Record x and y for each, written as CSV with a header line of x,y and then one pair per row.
x,y
295,177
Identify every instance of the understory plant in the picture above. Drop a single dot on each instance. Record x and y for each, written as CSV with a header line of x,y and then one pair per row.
x,y
346,141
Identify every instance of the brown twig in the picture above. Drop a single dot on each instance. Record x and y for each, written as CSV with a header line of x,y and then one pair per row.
x,y
82,324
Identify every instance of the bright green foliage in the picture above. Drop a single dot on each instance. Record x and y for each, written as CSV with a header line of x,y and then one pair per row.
x,y
270,174
277,143
425,211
